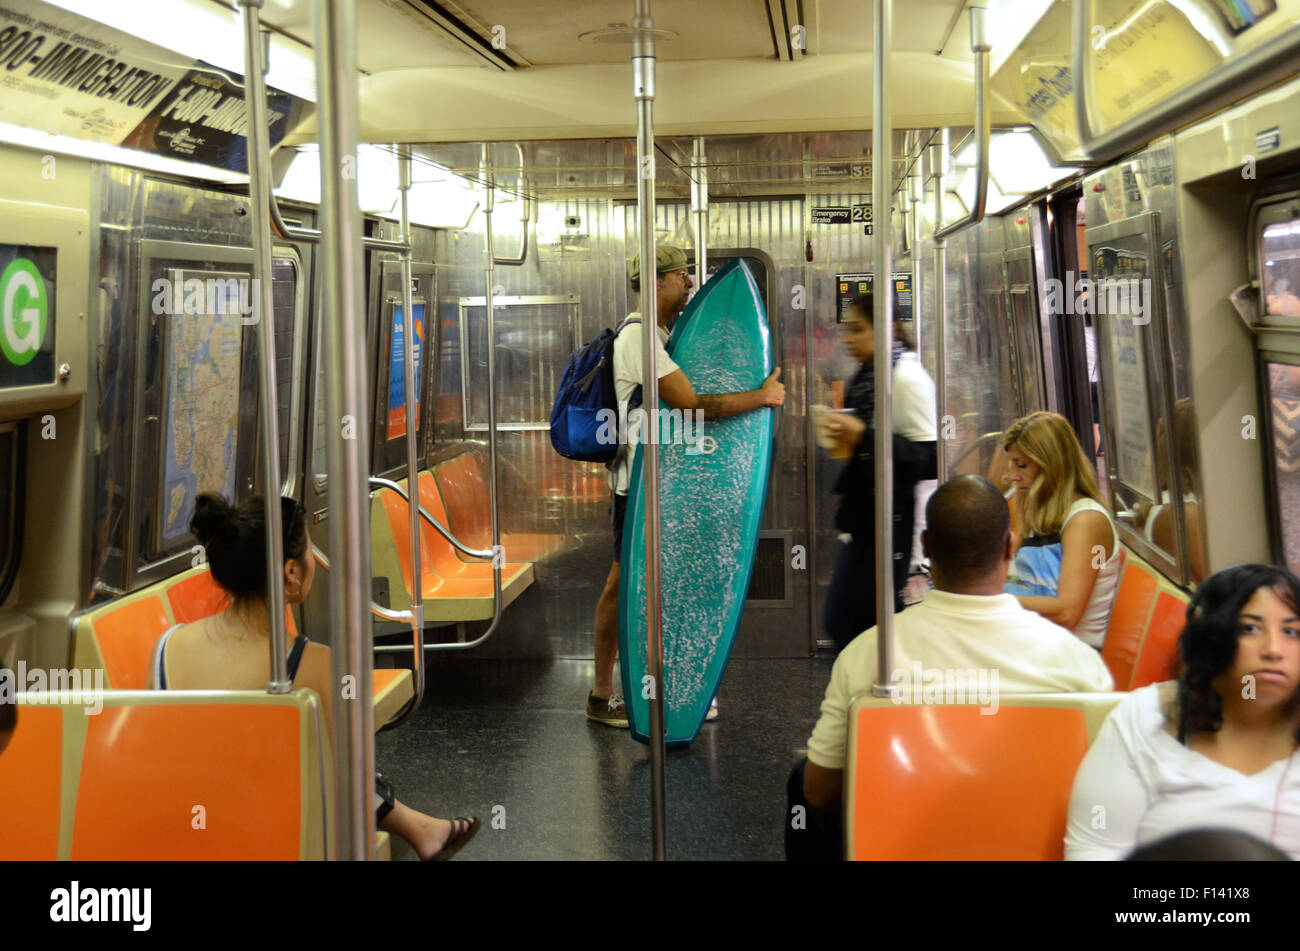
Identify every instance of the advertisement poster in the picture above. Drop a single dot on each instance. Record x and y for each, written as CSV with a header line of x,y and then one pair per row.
x,y
71,76
849,286
397,372
203,119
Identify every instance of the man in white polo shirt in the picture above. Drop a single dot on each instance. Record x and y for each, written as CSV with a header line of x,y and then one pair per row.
x,y
967,623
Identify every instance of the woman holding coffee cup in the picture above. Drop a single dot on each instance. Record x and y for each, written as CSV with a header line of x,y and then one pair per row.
x,y
851,602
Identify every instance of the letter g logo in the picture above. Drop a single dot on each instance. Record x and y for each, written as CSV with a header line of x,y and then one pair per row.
x,y
24,312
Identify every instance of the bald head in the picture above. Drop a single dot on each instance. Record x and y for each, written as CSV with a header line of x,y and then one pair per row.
x,y
967,535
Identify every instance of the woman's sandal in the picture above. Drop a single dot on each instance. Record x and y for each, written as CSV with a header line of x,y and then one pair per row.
x,y
462,830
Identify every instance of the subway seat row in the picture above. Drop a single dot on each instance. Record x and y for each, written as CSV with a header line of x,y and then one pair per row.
x,y
119,637
961,782
211,775
454,587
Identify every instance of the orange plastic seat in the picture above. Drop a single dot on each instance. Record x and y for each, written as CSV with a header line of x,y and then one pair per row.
x,y
1159,655
1128,622
393,688
458,484
950,783
195,595
120,637
453,590
31,774
206,781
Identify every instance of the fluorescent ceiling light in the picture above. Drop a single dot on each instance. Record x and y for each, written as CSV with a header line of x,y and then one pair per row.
x,y
302,180
438,198
1008,23
201,29
114,155
1017,166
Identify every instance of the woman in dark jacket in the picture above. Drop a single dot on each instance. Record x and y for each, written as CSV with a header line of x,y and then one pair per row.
x,y
851,602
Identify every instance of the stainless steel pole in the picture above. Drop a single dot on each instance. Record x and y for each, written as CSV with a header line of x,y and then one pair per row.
x,y
259,162
498,557
939,162
883,319
980,47
914,183
346,405
412,389
700,210
643,82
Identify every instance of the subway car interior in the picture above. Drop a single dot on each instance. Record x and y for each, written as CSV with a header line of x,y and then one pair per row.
x,y
238,234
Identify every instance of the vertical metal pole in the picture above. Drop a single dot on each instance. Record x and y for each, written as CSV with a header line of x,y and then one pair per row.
x,y
643,81
939,162
914,182
412,385
259,162
490,188
700,209
347,410
883,319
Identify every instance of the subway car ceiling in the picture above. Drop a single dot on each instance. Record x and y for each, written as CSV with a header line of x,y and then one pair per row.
x,y
549,112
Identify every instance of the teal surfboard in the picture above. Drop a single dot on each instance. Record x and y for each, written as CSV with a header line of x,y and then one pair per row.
x,y
712,487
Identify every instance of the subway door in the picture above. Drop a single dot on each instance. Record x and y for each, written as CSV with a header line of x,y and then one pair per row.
x,y
775,621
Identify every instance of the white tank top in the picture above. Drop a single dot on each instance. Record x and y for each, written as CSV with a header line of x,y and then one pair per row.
x,y
1091,628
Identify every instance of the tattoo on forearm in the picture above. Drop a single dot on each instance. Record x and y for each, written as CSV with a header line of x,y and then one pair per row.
x,y
711,404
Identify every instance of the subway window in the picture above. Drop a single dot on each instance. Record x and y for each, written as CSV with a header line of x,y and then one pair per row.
x,y
534,337
1283,381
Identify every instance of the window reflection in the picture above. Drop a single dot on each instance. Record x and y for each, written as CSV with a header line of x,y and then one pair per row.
x,y
1280,275
1284,407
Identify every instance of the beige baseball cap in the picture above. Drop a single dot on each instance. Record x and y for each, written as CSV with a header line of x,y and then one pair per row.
x,y
667,258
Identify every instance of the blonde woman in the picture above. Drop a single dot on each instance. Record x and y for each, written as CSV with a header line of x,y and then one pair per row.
x,y
1067,562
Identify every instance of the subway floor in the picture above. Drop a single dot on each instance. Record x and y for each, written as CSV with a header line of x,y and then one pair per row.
x,y
508,741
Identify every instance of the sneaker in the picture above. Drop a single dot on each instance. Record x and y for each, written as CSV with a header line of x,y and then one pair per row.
x,y
611,712
713,710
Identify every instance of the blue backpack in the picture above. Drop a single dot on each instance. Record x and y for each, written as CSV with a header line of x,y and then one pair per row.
x,y
586,389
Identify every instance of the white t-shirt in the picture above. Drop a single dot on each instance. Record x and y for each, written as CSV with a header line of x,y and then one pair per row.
x,y
1096,614
914,413
1140,785
959,633
627,377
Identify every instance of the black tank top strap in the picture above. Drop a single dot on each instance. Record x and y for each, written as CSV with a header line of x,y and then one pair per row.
x,y
295,656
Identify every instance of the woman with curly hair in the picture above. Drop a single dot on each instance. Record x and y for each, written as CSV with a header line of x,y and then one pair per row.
x,y
1215,747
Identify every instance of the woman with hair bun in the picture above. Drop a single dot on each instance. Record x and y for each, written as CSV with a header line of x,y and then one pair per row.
x,y
228,651
1214,748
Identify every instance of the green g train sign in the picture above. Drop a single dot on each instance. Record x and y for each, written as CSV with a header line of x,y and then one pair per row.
x,y
26,315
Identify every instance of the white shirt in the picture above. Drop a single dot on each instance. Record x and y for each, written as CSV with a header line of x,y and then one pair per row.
x,y
959,632
1096,614
1138,785
914,413
627,377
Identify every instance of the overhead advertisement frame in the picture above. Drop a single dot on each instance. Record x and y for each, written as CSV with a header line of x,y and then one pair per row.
x,y
70,76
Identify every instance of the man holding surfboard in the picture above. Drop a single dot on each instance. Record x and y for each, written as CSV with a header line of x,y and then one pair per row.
x,y
674,286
